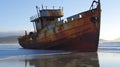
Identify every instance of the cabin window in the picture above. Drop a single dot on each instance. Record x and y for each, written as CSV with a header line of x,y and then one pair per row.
x,y
72,19
59,19
80,16
65,21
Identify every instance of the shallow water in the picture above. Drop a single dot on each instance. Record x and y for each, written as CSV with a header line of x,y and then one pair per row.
x,y
108,55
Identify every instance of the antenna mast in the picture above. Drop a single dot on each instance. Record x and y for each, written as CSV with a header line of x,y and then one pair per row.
x,y
99,1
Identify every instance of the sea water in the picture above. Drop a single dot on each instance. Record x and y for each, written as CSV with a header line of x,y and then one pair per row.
x,y
12,55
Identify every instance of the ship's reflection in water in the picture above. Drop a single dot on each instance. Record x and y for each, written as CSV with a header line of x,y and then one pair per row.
x,y
74,59
65,60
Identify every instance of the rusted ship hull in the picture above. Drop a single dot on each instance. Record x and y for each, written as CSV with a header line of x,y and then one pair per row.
x,y
79,32
82,43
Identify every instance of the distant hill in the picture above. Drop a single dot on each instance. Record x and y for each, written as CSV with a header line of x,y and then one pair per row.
x,y
102,40
11,36
9,39
116,40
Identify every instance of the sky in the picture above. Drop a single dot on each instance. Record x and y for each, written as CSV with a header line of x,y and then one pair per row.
x,y
15,14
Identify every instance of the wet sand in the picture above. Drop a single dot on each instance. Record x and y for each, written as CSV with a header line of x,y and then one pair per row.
x,y
74,59
67,59
108,55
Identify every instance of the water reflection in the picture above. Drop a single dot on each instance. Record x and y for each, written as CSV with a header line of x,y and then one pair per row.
x,y
64,60
69,59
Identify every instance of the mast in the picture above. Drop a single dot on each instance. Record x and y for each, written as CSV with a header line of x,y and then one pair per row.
x,y
34,23
99,7
39,14
99,1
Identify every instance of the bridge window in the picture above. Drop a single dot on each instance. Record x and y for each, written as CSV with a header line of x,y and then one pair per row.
x,y
72,18
80,16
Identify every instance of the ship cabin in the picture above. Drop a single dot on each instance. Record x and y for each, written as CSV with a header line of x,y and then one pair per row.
x,y
46,17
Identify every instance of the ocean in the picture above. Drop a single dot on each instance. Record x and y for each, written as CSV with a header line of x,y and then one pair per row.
x,y
12,55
